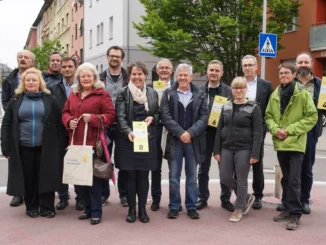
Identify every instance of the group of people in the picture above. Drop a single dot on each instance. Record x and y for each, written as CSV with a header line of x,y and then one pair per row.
x,y
45,112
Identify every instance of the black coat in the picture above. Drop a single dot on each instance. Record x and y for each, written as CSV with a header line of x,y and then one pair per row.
x,y
51,78
51,163
8,87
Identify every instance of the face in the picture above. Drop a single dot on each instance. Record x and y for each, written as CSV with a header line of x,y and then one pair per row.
x,y
214,73
249,67
55,60
239,92
86,79
137,77
68,69
303,64
164,71
24,60
184,78
285,75
115,58
32,83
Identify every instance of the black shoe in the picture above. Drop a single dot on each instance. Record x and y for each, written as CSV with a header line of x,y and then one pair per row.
x,y
80,204
48,214
227,206
95,221
104,200
280,207
192,214
306,209
32,214
124,202
131,218
84,216
63,203
142,215
201,204
257,204
173,214
16,201
155,206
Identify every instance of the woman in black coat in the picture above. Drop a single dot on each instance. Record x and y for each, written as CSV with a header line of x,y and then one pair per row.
x,y
30,141
136,102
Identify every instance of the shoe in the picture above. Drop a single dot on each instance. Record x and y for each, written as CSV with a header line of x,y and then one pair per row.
x,y
80,204
32,214
16,201
282,217
201,204
173,214
294,223
63,203
155,206
84,216
236,216
104,200
257,204
95,221
248,204
124,202
192,214
280,207
48,214
306,209
142,215
131,218
227,206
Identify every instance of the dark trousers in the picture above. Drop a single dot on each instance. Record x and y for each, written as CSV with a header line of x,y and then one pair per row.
x,y
92,198
258,174
291,163
308,163
31,164
203,172
157,174
138,184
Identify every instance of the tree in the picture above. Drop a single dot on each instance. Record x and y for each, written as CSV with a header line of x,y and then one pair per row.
x,y
202,30
42,53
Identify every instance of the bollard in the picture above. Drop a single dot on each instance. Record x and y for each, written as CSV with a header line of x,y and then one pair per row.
x,y
278,178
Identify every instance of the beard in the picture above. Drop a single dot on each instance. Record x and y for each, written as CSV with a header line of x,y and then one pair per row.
x,y
304,71
114,64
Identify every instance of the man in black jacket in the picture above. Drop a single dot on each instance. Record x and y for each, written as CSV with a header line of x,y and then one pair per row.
x,y
214,87
184,115
53,74
25,60
258,90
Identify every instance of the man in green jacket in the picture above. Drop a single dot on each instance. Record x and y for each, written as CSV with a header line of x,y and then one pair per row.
x,y
290,114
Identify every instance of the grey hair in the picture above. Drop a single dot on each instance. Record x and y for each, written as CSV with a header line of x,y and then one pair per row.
x,y
30,53
97,82
163,60
183,66
249,57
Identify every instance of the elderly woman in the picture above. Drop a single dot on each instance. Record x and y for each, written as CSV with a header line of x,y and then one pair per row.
x,y
136,102
88,100
29,139
237,145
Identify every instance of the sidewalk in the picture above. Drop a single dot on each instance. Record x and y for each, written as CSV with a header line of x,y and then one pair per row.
x,y
213,226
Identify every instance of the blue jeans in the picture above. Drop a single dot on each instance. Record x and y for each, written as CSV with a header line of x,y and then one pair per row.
x,y
181,151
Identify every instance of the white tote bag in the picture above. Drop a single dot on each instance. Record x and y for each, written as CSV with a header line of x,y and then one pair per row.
x,y
78,163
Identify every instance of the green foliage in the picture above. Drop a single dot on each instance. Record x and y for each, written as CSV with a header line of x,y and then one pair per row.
x,y
43,52
203,30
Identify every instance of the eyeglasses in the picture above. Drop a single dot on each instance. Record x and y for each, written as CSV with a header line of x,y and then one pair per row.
x,y
239,88
86,76
115,57
248,65
164,68
284,73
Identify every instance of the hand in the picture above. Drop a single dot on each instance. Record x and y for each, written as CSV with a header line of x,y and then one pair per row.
x,y
217,157
253,160
86,117
281,134
73,124
185,137
149,120
131,136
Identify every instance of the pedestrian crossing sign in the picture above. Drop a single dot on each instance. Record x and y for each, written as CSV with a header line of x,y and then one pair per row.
x,y
267,45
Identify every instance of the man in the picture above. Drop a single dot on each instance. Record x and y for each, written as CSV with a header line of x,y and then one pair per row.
x,y
25,60
259,90
212,88
184,115
114,78
61,91
53,74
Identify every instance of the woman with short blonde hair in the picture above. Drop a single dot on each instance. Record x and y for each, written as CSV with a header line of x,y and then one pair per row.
x,y
21,87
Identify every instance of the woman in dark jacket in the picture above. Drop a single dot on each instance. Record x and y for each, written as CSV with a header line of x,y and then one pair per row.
x,y
136,102
237,145
30,140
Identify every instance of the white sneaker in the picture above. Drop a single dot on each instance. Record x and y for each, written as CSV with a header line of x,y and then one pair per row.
x,y
236,216
248,204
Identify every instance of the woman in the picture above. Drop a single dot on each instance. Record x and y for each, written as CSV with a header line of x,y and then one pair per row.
x,y
237,145
290,114
136,102
88,100
29,139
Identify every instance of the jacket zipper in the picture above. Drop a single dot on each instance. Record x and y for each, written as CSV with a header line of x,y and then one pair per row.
x,y
33,124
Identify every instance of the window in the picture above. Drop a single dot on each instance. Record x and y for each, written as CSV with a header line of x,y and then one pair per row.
x,y
101,70
63,24
81,56
111,28
98,35
101,33
76,31
76,7
72,14
90,3
67,49
81,27
58,29
293,26
90,38
72,41
97,68
67,20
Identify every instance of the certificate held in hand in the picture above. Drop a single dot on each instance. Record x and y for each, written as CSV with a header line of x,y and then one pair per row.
x,y
216,110
159,87
141,137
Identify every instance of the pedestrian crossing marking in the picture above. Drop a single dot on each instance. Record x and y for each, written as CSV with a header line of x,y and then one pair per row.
x,y
267,47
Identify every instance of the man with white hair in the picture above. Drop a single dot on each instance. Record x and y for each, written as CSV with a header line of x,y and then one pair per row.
x,y
184,114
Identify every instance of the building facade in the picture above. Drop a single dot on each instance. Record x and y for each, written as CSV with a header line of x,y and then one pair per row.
x,y
76,14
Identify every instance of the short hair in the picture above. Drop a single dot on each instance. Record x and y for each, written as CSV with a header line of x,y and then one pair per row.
x,y
55,52
97,82
183,66
163,60
287,65
137,64
21,87
117,48
307,53
29,52
65,59
249,57
217,62
238,82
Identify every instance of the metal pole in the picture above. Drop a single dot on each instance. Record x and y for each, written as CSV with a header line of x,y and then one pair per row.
x,y
262,73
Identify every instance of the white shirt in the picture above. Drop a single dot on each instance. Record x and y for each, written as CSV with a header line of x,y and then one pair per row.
x,y
251,89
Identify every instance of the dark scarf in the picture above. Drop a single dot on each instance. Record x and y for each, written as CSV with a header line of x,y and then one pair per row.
x,y
285,93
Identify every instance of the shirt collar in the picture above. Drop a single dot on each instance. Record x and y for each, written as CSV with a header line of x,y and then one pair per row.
x,y
209,86
66,84
312,78
253,81
185,92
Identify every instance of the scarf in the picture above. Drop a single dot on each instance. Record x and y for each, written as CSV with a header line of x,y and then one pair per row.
x,y
139,95
285,95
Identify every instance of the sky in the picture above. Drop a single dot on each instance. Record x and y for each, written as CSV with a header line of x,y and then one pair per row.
x,y
16,19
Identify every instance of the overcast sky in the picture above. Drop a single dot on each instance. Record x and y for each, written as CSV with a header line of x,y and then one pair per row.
x,y
16,19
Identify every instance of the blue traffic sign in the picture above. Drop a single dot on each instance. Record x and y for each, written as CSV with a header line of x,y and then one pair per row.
x,y
267,45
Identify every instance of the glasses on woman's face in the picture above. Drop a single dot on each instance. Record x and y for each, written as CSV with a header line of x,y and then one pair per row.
x,y
86,76
239,89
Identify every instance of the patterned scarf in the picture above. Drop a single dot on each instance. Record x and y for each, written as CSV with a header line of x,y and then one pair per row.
x,y
139,95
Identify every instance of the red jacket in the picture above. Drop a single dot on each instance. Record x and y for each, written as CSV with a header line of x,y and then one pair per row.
x,y
98,102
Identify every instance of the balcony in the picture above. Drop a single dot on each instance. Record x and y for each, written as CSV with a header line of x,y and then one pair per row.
x,y
318,36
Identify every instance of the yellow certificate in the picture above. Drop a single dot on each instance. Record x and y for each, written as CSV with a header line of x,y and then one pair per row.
x,y
141,138
216,110
159,87
322,95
